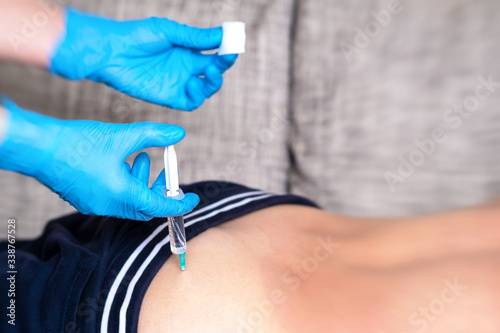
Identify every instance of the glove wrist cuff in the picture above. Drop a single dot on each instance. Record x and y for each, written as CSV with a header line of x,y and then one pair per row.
x,y
82,47
28,139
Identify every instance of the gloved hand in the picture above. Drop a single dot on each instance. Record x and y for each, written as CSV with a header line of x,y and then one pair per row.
x,y
84,162
155,59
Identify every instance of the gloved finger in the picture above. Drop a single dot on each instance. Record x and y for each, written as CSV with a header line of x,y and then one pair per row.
x,y
159,185
128,167
195,93
191,37
212,81
141,167
155,204
160,181
222,63
158,205
149,134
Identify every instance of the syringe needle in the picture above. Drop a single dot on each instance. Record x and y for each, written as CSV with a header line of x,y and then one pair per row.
x,y
182,260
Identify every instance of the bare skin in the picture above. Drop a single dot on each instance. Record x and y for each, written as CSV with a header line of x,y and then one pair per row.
x,y
29,31
298,269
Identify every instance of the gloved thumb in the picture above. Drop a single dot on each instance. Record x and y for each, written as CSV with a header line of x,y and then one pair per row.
x,y
192,37
151,203
149,134
157,205
161,206
187,204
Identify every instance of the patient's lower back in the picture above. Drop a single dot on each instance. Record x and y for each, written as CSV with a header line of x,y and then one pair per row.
x,y
297,269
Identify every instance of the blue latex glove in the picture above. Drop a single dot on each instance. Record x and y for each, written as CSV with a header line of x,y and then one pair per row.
x,y
84,162
155,59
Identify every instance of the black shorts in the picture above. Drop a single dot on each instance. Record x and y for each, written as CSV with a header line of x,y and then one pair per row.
x,y
90,274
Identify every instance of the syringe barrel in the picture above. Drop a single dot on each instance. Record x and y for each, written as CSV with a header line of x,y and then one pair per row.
x,y
176,229
177,234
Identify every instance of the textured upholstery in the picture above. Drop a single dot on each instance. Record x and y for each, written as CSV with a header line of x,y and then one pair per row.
x,y
352,120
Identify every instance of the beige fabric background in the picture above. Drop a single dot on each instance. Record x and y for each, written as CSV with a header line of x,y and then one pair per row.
x,y
294,115
353,120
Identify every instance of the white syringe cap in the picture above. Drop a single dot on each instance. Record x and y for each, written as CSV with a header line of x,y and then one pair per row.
x,y
233,38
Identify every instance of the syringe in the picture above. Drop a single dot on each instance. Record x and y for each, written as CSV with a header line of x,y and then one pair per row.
x,y
176,229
